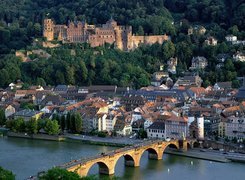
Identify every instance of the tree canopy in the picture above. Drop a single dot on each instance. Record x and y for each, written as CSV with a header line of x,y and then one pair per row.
x,y
6,175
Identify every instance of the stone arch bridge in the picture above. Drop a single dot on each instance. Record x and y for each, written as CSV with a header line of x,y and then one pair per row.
x,y
132,155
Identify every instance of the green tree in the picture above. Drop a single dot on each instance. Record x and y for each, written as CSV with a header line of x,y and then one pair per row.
x,y
41,82
52,127
142,134
184,52
168,50
234,30
70,78
141,31
2,117
59,76
62,122
142,81
4,35
6,175
206,83
101,134
229,65
18,125
37,29
4,77
30,29
68,121
235,83
72,123
223,48
59,174
41,124
32,126
83,71
234,140
27,105
78,123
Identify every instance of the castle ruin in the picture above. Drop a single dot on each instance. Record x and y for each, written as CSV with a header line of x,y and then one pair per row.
x,y
80,32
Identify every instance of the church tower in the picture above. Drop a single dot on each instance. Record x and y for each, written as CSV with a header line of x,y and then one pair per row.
x,y
48,29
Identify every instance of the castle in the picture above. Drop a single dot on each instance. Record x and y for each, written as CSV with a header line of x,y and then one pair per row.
x,y
120,36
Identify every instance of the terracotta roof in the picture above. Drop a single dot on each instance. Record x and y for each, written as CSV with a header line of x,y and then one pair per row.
x,y
177,118
232,109
30,91
198,90
218,106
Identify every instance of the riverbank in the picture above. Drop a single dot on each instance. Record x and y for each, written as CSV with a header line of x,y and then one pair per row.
x,y
107,141
199,155
36,136
94,142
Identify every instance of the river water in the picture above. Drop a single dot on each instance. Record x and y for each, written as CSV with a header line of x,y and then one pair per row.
x,y
27,157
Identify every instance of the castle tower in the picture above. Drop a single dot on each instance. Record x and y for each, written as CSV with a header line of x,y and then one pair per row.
x,y
129,45
118,37
48,29
123,36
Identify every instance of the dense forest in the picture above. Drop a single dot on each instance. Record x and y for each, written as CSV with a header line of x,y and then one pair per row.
x,y
21,21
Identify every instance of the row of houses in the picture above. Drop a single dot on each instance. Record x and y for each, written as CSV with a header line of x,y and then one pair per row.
x,y
192,111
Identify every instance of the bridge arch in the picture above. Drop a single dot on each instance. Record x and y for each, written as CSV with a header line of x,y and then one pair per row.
x,y
129,160
153,153
174,145
196,144
104,168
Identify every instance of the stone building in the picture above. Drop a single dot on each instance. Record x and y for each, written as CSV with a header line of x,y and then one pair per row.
x,y
234,127
111,32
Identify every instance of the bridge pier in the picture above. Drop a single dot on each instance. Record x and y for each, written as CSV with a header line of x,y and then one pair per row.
x,y
129,163
83,171
155,156
133,161
184,145
105,170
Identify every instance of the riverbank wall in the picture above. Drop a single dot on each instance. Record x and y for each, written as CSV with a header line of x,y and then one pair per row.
x,y
199,155
36,136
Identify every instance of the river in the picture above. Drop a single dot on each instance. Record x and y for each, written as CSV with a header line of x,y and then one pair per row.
x,y
27,157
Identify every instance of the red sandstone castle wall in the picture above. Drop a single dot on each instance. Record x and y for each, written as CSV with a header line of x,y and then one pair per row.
x,y
98,36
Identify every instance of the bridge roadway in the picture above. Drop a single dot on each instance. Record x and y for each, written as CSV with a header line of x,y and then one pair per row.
x,y
132,155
